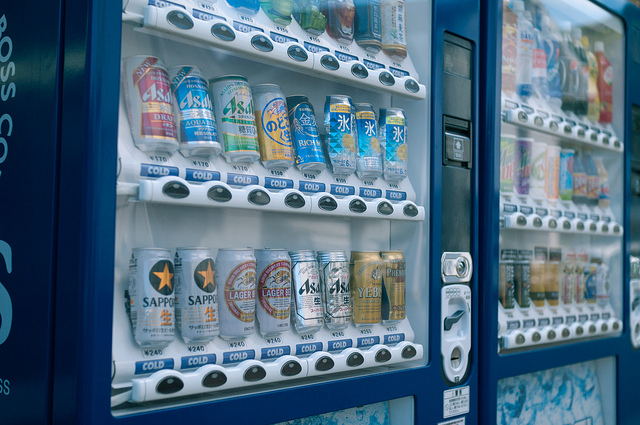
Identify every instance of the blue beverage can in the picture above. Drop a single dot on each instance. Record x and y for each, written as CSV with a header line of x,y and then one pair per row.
x,y
194,112
566,174
304,131
369,164
340,134
392,130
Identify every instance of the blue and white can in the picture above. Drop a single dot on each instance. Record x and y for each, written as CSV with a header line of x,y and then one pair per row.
x,y
369,157
304,131
340,134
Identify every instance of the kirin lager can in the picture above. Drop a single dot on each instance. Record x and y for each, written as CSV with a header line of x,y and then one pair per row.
x,y
196,295
369,164
236,277
307,312
334,280
149,104
340,134
393,307
304,130
272,121
392,130
194,112
365,274
274,291
151,297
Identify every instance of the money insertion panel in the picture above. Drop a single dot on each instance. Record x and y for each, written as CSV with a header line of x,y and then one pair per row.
x,y
271,197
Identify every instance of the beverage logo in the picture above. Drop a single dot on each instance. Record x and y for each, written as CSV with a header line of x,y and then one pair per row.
x,y
275,122
574,66
309,287
198,98
274,289
203,276
339,286
161,277
239,104
608,75
240,291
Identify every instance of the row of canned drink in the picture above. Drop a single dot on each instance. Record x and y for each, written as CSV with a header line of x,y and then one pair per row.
x,y
179,109
273,287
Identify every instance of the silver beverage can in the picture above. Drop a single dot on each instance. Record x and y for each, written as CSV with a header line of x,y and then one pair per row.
x,y
340,134
392,130
334,279
235,274
306,301
369,164
196,295
274,291
194,112
147,93
151,301
272,121
233,109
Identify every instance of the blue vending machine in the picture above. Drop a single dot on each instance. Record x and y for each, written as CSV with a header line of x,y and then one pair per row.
x,y
558,307
239,212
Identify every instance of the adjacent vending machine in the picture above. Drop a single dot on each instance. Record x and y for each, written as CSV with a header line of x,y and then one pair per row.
x,y
232,211
555,207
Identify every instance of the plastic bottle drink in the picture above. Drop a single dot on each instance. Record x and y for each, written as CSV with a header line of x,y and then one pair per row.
x,y
593,181
509,48
552,276
603,286
567,278
279,11
579,195
507,162
537,276
249,7
593,109
308,15
524,76
566,174
568,69
538,165
604,198
582,93
368,25
522,165
552,174
605,83
551,44
340,14
540,78
394,32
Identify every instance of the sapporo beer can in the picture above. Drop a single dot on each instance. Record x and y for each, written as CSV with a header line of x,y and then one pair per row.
x,y
340,134
149,105
365,277
507,166
304,129
334,278
393,307
272,121
369,165
233,109
274,291
194,112
151,297
392,130
196,295
236,277
306,302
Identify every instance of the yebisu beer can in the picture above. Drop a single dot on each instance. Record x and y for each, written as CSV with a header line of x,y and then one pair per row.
x,y
272,121
365,275
274,291
307,312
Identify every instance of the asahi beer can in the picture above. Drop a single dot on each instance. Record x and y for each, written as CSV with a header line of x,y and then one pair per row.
x,y
340,134
272,121
522,278
552,174
365,275
565,179
523,165
194,112
304,131
393,307
233,109
151,297
196,295
274,291
369,164
392,130
236,277
507,162
537,175
506,281
334,278
149,104
307,313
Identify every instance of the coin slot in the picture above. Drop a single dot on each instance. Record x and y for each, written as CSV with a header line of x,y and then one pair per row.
x,y
214,379
179,20
327,203
385,208
261,43
386,78
175,190
359,71
219,194
456,358
291,368
357,206
297,53
581,133
637,330
254,374
330,63
223,32
259,197
169,385
409,352
605,141
324,364
294,200
383,356
412,86
355,359
410,210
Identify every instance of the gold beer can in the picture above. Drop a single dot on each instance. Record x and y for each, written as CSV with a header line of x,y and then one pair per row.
x,y
393,287
365,280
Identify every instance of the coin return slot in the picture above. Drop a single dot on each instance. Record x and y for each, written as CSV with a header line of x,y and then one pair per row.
x,y
383,356
297,53
219,194
357,206
326,203
179,20
409,352
355,359
261,43
324,364
456,358
291,368
294,200
169,385
259,197
175,190
385,208
214,379
254,374
330,63
223,32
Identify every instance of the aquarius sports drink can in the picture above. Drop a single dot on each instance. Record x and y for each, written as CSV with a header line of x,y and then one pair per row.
x,y
194,112
537,175
340,135
369,164
552,174
196,295
392,130
523,165
304,131
507,162
274,291
272,121
334,279
393,307
151,302
565,179
365,276
149,105
236,277
233,109
307,312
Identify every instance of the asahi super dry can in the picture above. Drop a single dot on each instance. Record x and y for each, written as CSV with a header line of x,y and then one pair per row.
x,y
274,291
340,134
365,276
393,287
272,121
307,313
334,277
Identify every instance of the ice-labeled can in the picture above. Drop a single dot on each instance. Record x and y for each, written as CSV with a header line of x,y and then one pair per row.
x,y
392,134
365,276
196,295
334,278
507,162
393,308
233,109
274,291
236,277
149,104
307,313
151,300
523,165
308,15
394,31
368,25
304,131
340,134
369,164
194,112
272,121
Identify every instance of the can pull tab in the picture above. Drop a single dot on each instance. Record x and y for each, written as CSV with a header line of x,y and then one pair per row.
x,y
457,267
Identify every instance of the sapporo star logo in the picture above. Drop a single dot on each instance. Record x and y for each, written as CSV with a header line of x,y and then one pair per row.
x,y
161,277
203,275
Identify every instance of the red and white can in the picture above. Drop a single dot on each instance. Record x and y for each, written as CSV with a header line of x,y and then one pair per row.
x,y
274,291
